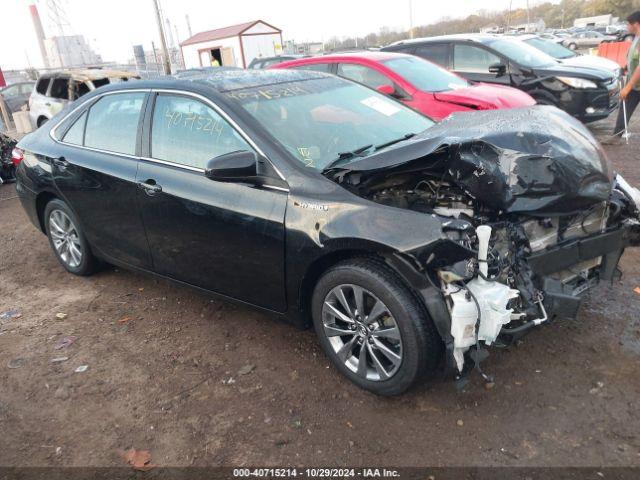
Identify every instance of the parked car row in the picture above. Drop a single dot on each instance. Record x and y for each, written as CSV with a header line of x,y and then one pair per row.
x,y
478,72
422,85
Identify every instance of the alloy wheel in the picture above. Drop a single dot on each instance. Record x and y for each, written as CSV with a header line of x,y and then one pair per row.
x,y
65,238
362,332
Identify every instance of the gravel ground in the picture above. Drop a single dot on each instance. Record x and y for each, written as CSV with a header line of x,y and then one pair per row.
x,y
196,381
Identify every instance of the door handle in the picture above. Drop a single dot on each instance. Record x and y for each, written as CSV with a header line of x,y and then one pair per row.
x,y
150,187
47,104
61,163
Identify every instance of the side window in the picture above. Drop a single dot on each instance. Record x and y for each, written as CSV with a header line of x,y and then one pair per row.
x,y
75,134
364,75
438,54
43,85
60,88
112,123
188,132
468,58
26,88
316,67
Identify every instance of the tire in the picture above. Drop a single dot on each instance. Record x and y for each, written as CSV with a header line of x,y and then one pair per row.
x,y
67,239
573,46
42,121
418,350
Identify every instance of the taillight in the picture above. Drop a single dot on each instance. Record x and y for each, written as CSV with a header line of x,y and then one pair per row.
x,y
17,155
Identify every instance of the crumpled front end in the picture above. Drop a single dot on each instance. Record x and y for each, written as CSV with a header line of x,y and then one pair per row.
x,y
529,195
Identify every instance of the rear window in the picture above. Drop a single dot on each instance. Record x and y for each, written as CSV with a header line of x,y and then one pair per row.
x,y
43,85
112,123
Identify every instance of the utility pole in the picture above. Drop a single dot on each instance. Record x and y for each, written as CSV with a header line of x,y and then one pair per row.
x,y
410,18
163,42
186,17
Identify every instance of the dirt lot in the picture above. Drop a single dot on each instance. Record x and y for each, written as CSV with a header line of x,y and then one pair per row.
x,y
160,359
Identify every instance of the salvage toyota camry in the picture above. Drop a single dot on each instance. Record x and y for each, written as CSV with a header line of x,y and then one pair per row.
x,y
410,246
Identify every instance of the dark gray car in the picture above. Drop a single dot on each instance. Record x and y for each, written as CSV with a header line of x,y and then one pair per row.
x,y
16,95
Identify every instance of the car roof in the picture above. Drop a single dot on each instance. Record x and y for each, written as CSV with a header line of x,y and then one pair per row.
x,y
274,57
222,80
474,37
89,74
373,56
526,36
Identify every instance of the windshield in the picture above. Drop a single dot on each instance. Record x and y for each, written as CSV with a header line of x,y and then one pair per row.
x,y
521,53
321,119
425,75
551,48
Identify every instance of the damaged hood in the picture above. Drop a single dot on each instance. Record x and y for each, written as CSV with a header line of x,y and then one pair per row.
x,y
486,97
536,160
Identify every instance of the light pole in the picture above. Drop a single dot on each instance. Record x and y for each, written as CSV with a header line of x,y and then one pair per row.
x,y
163,42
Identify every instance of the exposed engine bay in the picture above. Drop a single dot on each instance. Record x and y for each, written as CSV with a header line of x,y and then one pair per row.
x,y
542,220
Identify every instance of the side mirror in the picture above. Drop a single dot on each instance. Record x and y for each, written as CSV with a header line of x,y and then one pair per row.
x,y
236,166
498,69
386,89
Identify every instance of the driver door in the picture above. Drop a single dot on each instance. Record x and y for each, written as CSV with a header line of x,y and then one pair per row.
x,y
227,238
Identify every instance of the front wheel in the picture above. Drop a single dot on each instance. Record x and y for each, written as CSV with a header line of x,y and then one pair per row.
x,y
373,328
67,239
573,46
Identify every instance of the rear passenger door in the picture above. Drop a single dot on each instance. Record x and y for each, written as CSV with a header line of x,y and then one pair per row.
x,y
96,175
224,237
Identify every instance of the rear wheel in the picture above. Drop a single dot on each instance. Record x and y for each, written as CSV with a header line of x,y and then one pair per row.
x,y
42,121
373,328
573,46
67,240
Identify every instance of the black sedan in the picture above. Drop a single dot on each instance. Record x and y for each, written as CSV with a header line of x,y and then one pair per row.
x,y
588,94
320,200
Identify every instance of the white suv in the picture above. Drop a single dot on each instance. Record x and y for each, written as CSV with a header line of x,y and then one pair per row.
x,y
54,90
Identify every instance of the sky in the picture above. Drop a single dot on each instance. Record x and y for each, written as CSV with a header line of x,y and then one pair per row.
x,y
112,27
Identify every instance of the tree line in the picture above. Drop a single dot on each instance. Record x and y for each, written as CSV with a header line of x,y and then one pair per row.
x,y
560,15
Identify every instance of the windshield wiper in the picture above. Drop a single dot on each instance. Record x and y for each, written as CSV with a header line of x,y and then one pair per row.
x,y
393,142
358,152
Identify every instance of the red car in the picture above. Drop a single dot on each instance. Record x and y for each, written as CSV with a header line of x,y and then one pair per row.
x,y
420,84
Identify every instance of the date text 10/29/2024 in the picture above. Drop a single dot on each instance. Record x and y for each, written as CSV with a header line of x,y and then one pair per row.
x,y
316,472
